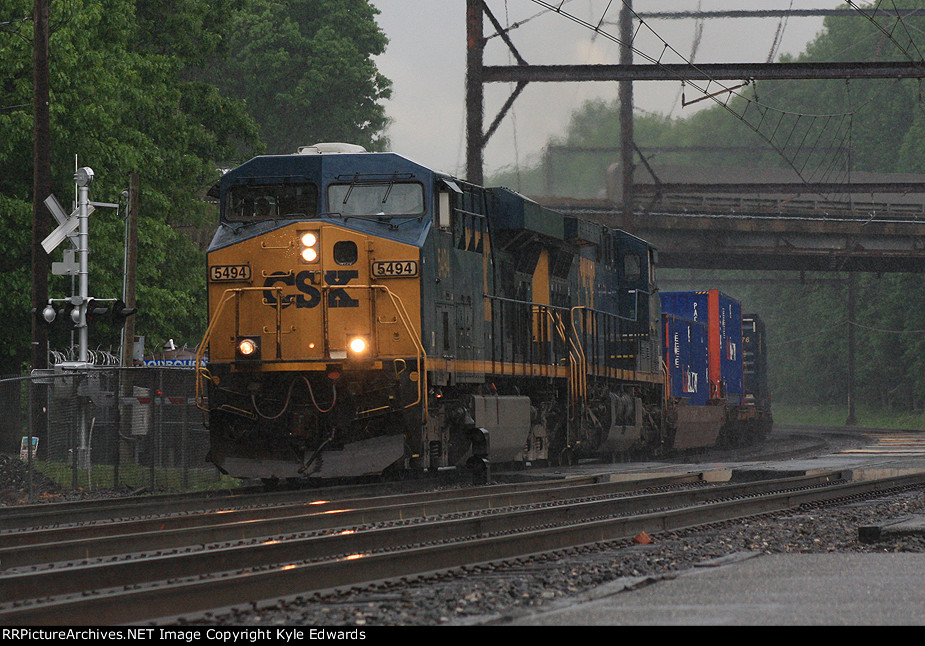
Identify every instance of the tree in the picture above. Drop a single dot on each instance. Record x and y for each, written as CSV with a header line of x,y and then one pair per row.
x,y
807,323
144,86
118,107
304,69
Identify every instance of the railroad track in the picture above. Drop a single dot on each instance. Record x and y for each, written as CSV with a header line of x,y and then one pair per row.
x,y
141,570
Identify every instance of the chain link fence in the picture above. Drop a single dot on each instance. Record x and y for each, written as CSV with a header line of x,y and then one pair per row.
x,y
109,428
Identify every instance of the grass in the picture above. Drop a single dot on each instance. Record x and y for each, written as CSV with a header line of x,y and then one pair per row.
x,y
832,415
135,476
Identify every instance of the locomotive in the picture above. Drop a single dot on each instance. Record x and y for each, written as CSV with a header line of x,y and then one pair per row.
x,y
369,315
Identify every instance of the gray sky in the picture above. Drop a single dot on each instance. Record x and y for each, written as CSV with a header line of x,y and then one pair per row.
x,y
426,61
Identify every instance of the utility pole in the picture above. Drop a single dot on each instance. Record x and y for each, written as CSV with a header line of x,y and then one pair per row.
x,y
41,178
626,113
41,186
475,52
852,295
83,177
128,288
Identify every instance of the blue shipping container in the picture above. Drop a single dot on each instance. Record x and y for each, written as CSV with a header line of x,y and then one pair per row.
x,y
686,359
723,316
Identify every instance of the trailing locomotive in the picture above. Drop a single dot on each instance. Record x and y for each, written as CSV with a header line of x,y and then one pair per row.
x,y
368,314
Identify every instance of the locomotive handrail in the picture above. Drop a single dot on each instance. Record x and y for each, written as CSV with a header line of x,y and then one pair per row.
x,y
557,324
399,306
227,295
666,386
582,370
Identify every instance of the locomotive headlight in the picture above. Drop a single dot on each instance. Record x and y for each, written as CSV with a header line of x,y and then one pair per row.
x,y
309,246
248,347
358,345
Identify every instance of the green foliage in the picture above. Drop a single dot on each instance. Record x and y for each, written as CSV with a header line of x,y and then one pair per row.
x,y
305,70
164,90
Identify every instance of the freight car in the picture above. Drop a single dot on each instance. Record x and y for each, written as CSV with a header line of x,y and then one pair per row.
x,y
715,359
369,315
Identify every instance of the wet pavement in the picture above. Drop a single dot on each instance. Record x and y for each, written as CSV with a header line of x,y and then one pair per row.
x,y
768,590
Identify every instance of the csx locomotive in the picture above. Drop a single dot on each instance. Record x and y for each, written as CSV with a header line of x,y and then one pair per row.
x,y
370,315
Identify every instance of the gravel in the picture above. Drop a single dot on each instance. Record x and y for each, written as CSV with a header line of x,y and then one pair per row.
x,y
15,486
14,482
481,595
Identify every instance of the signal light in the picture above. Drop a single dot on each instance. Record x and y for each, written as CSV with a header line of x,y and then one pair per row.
x,y
94,309
45,315
120,312
309,251
71,311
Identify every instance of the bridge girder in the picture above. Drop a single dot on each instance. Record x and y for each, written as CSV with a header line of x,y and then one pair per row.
x,y
805,242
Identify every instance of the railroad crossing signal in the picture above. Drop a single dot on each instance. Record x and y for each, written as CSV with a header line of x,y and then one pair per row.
x,y
120,312
94,309
81,308
67,224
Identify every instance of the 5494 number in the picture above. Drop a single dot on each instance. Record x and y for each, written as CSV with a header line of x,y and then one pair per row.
x,y
218,273
395,268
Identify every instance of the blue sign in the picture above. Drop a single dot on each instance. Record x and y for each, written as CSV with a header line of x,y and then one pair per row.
x,y
171,363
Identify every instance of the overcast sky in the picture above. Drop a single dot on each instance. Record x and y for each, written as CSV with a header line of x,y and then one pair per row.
x,y
426,61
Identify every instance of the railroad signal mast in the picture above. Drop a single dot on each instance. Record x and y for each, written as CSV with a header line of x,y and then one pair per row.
x,y
80,307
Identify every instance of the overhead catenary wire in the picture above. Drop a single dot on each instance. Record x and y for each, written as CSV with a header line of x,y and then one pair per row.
x,y
722,97
800,139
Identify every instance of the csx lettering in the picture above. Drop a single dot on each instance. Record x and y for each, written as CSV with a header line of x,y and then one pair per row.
x,y
309,293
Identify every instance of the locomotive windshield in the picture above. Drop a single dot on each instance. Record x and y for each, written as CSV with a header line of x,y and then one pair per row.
x,y
376,198
271,201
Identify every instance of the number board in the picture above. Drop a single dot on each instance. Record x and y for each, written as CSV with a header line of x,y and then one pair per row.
x,y
395,269
218,273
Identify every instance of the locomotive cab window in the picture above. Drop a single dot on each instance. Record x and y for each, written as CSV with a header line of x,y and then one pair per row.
x,y
271,201
632,266
376,198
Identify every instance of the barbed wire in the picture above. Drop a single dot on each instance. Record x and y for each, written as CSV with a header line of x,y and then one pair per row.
x,y
97,357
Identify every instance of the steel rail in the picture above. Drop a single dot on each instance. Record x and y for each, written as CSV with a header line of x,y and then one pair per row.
x,y
75,543
271,551
109,509
148,602
58,515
